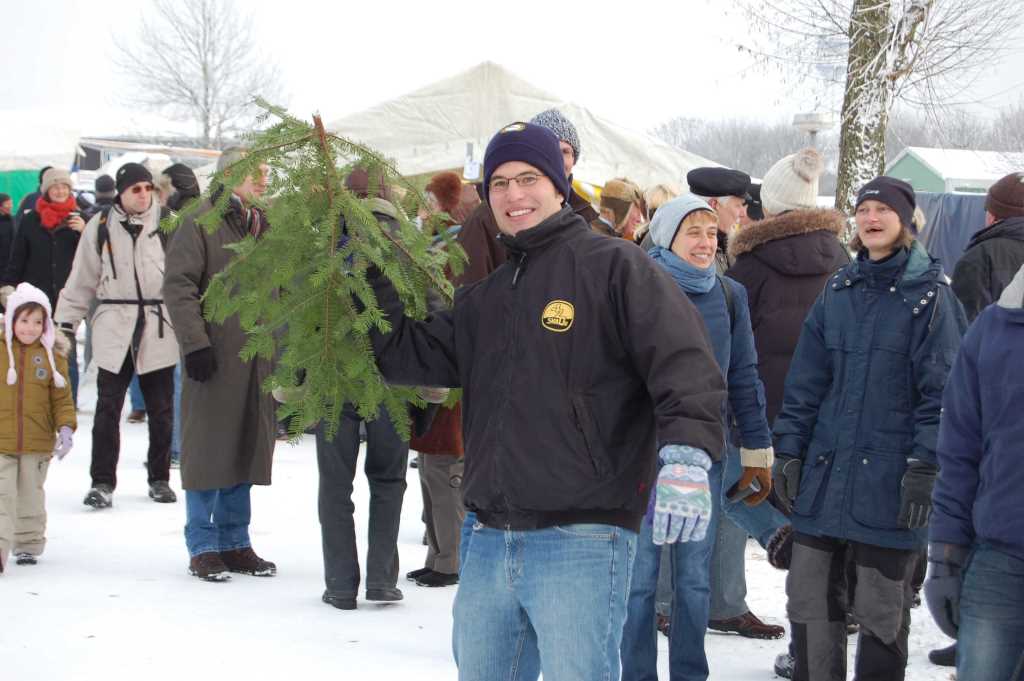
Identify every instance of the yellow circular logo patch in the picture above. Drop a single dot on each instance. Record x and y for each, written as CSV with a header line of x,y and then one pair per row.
x,y
558,316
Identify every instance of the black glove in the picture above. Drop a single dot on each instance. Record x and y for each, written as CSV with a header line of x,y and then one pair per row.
x,y
942,590
786,479
201,365
916,495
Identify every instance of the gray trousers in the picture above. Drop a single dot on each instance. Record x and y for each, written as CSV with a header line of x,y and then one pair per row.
x,y
385,466
441,482
818,591
729,571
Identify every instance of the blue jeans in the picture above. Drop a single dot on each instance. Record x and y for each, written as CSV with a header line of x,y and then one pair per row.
x,y
550,600
690,564
217,519
990,646
135,393
761,521
728,559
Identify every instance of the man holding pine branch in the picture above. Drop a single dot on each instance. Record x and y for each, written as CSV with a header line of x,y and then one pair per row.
x,y
228,423
580,400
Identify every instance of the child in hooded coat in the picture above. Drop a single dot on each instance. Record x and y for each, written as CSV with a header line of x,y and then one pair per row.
x,y
35,403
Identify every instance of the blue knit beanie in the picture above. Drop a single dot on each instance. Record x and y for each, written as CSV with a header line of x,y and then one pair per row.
x,y
666,221
530,144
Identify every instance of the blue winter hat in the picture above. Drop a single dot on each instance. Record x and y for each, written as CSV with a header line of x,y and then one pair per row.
x,y
670,215
527,143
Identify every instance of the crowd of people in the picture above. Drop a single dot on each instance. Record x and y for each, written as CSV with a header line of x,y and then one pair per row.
x,y
647,383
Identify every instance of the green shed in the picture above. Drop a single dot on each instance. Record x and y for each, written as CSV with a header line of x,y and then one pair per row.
x,y
944,171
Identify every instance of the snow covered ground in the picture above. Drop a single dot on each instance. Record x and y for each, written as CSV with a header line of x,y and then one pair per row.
x,y
111,600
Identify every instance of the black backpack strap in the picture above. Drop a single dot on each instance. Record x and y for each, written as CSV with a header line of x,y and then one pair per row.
x,y
730,300
103,239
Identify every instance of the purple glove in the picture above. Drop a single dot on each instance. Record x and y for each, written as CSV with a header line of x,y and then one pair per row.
x,y
64,442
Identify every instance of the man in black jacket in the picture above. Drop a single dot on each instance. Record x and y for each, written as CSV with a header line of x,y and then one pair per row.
x,y
587,382
996,252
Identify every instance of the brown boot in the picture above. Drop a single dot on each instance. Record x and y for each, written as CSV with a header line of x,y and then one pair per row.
x,y
246,562
209,567
748,625
137,416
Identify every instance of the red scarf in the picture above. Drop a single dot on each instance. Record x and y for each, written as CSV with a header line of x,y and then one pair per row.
x,y
52,214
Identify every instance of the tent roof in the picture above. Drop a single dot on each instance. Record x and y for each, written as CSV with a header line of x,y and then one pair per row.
x,y
428,130
966,164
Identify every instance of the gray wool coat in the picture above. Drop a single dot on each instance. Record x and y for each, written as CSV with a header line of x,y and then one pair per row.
x,y
228,423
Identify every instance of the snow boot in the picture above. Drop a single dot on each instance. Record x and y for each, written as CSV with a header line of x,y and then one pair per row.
x,y
340,602
388,594
784,665
416,574
161,492
435,579
100,496
23,558
943,657
246,562
208,567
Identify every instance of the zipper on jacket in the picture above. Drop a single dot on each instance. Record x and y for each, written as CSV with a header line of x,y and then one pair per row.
x,y
509,359
20,409
520,267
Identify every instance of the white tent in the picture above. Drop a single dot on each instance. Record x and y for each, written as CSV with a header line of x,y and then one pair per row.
x,y
440,126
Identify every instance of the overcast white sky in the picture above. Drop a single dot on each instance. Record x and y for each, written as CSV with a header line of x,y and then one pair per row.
x,y
634,62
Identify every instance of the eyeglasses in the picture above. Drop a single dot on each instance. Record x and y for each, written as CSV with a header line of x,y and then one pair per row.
x,y
524,180
139,188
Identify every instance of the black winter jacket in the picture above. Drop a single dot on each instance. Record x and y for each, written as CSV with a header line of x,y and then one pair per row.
x,y
579,358
784,262
40,256
992,258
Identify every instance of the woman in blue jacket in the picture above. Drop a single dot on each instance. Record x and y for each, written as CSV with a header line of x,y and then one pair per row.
x,y
684,232
856,439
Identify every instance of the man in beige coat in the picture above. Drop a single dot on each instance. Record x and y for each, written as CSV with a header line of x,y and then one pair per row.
x,y
119,264
228,426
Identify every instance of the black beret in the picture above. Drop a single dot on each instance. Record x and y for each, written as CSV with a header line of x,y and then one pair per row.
x,y
755,211
715,182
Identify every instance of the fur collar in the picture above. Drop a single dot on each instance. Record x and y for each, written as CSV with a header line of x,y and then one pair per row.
x,y
793,223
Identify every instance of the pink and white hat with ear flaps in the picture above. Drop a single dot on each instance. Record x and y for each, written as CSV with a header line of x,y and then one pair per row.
x,y
27,293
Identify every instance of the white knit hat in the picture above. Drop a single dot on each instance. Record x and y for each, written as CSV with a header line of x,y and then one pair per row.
x,y
27,293
792,183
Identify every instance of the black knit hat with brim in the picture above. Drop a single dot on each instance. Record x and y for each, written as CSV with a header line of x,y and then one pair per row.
x,y
130,174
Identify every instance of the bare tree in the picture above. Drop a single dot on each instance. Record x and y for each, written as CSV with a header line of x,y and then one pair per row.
x,y
1008,129
879,52
198,59
747,145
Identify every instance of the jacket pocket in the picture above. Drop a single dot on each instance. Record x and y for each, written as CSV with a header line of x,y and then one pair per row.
x,y
592,442
877,478
814,475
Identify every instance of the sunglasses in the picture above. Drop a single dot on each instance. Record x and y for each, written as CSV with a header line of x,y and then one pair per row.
x,y
139,188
